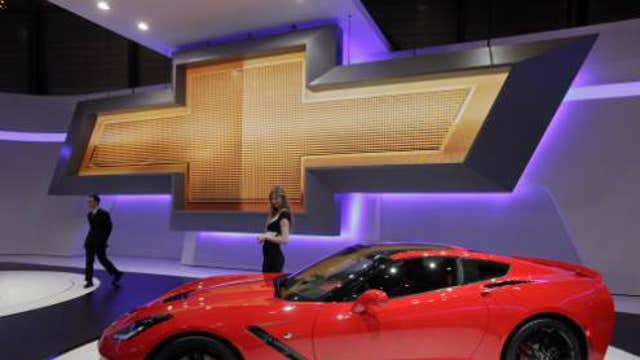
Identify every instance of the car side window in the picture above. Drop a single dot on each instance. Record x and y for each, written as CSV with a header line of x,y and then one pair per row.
x,y
415,276
480,270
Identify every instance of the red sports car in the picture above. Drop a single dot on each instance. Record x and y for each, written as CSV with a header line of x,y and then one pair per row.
x,y
382,301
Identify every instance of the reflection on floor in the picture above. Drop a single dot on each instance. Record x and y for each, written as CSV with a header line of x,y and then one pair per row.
x,y
28,290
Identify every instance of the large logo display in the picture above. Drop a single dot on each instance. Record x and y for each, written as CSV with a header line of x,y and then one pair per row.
x,y
250,125
246,117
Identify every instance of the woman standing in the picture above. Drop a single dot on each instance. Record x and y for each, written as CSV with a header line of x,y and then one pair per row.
x,y
278,228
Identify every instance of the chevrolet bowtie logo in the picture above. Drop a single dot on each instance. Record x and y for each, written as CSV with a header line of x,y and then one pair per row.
x,y
246,117
250,125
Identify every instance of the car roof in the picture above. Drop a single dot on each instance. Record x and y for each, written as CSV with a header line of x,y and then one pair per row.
x,y
392,248
410,250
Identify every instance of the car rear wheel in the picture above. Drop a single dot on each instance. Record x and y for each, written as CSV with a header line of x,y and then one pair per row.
x,y
544,339
195,348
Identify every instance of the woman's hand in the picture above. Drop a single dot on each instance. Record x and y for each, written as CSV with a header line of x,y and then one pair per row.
x,y
273,237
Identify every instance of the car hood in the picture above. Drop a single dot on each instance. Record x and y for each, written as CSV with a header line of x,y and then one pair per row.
x,y
245,291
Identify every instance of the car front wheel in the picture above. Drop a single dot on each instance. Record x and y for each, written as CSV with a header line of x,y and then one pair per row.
x,y
194,348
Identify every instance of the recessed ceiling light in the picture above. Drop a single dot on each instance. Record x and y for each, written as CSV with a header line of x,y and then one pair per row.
x,y
142,26
103,5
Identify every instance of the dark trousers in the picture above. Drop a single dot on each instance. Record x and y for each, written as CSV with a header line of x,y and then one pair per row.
x,y
273,260
101,253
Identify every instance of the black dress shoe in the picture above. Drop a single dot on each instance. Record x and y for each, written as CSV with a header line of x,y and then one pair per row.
x,y
88,285
116,279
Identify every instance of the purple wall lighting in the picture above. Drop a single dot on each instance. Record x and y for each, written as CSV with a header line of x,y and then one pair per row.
x,y
351,224
606,91
155,200
32,137
557,130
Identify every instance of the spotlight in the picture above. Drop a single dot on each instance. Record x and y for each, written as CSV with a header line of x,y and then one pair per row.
x,y
142,26
104,6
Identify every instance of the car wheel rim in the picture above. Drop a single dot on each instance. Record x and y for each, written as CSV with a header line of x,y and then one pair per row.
x,y
546,343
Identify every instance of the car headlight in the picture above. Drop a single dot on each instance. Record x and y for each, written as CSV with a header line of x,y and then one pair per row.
x,y
140,326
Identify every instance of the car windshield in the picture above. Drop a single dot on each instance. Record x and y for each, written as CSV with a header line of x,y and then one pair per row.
x,y
320,281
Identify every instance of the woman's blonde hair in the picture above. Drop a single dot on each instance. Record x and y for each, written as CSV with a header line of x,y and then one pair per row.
x,y
278,191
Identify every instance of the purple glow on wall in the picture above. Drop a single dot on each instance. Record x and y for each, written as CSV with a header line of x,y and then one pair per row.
x,y
351,210
150,199
350,225
65,152
606,91
251,237
556,131
443,198
32,137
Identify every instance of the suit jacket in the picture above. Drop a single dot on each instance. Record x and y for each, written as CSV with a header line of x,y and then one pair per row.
x,y
99,229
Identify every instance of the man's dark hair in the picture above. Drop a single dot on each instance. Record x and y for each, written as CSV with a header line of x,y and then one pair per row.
x,y
95,197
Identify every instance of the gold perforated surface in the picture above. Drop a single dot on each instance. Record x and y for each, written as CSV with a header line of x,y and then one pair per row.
x,y
249,125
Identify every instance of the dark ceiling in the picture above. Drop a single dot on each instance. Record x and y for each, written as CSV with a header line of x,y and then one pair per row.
x,y
410,24
47,50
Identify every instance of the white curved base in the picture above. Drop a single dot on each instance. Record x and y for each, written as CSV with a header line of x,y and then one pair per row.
x,y
85,352
29,290
617,354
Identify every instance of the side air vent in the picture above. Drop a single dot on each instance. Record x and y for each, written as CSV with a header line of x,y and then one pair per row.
x,y
274,343
507,283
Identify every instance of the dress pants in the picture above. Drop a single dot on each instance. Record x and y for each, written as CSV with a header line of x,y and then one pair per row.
x,y
101,253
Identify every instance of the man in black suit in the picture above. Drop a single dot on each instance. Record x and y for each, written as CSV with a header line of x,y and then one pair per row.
x,y
96,242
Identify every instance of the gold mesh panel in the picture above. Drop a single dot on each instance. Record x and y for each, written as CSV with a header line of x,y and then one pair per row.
x,y
249,125
295,129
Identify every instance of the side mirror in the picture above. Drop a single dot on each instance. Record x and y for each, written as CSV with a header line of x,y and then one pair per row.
x,y
370,299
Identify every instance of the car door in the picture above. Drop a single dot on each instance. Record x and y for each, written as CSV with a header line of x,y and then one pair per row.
x,y
428,316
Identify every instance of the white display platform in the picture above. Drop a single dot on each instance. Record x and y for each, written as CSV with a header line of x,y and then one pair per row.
x,y
29,290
